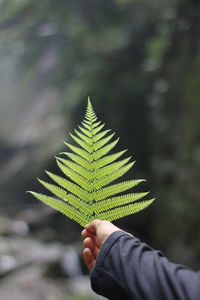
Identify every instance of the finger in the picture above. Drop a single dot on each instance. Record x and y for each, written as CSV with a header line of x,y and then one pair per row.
x,y
92,227
86,234
88,243
89,259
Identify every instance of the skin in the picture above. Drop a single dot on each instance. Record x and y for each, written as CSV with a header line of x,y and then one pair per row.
x,y
94,235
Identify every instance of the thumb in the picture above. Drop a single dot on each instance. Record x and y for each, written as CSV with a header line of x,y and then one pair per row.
x,y
92,227
102,229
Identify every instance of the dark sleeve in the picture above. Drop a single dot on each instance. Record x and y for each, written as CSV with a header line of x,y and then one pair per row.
x,y
129,269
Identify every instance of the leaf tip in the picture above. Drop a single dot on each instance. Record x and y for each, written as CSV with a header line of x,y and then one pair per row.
x,y
89,104
30,192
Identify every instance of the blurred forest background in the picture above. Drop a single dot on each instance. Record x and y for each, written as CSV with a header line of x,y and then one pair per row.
x,y
139,61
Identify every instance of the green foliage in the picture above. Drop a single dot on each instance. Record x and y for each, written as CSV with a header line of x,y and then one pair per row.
x,y
84,193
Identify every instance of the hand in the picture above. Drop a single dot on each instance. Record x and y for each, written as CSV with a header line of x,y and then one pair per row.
x,y
94,236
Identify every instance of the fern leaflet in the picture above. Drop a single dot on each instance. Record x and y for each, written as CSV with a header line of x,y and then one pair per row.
x,y
84,192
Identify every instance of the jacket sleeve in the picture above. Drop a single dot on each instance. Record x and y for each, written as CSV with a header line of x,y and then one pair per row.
x,y
129,269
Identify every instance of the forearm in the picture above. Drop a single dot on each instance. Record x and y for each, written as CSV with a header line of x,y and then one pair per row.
x,y
129,269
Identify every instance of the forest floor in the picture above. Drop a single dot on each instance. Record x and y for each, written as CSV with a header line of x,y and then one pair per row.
x,y
32,269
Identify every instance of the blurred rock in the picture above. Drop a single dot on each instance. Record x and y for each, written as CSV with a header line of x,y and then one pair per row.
x,y
9,226
33,269
28,284
25,262
70,262
20,227
7,263
35,215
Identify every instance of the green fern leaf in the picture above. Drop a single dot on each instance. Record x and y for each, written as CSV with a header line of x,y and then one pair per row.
x,y
85,192
63,195
86,132
69,186
113,176
65,209
102,142
117,201
76,158
83,137
88,127
76,167
105,171
107,160
100,135
80,180
83,144
116,189
84,154
97,129
103,151
123,211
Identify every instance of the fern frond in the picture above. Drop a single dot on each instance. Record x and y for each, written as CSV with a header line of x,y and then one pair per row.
x,y
88,127
65,209
117,201
68,185
107,160
78,179
103,151
56,190
76,158
85,191
100,135
97,128
83,144
102,142
116,189
86,132
94,125
123,211
115,175
76,167
79,151
83,137
105,171
62,194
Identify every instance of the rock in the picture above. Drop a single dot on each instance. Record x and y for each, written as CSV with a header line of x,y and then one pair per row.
x,y
70,262
20,227
31,269
7,263
10,227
